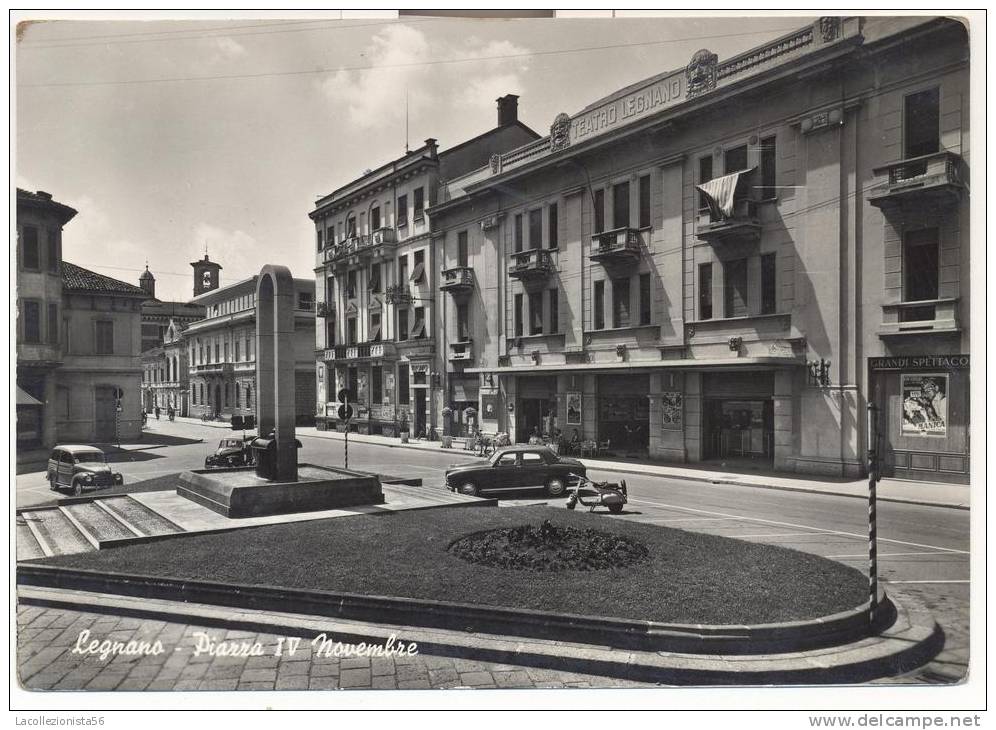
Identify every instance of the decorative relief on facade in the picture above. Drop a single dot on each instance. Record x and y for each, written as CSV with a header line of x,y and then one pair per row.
x,y
829,28
560,132
671,407
495,164
822,120
701,72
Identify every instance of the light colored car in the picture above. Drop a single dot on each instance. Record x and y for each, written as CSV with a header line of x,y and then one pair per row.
x,y
80,468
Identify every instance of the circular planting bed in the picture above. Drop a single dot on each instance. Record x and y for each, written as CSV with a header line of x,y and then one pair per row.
x,y
549,548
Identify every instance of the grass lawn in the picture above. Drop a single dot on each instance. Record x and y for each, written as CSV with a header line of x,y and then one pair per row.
x,y
687,578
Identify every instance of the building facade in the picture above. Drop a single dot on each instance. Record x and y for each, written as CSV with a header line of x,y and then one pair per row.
x,y
165,373
157,315
377,283
221,350
727,262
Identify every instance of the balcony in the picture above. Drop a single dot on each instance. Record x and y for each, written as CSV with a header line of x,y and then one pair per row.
x,y
934,316
370,351
620,246
324,309
936,179
336,352
741,224
458,280
361,246
224,369
533,265
462,351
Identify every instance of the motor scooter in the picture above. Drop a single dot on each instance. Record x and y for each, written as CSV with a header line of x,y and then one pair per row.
x,y
597,494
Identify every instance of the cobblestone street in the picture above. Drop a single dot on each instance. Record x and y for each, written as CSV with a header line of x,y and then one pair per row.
x,y
45,661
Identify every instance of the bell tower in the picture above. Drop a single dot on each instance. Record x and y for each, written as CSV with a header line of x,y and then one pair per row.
x,y
206,275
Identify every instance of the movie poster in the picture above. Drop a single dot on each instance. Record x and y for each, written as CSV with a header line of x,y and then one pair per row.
x,y
671,408
925,404
489,404
574,409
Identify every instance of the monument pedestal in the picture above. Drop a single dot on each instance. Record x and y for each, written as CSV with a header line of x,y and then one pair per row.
x,y
240,493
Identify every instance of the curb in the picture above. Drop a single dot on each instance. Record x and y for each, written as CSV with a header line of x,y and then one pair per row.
x,y
912,641
528,624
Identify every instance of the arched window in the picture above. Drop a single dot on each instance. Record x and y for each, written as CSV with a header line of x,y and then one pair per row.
x,y
238,400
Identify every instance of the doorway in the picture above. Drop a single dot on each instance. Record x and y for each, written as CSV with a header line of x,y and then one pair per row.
x,y
739,430
105,414
418,408
217,399
534,418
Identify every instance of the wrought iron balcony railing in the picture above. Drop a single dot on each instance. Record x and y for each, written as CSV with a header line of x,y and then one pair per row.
x,y
531,265
618,246
458,280
937,178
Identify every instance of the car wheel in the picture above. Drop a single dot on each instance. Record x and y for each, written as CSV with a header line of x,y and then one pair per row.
x,y
615,508
468,488
555,487
77,488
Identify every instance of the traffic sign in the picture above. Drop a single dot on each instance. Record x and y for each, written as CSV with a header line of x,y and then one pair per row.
x,y
344,395
345,412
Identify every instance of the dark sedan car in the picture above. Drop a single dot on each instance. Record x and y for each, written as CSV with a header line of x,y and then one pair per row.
x,y
516,468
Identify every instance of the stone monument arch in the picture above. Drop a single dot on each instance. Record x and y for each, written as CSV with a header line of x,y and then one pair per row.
x,y
275,379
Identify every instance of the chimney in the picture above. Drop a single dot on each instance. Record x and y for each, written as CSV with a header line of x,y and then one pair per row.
x,y
508,109
42,194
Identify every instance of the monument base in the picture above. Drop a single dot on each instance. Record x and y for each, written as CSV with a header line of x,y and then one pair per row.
x,y
239,492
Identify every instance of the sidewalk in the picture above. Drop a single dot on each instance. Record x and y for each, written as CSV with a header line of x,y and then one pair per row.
x,y
933,494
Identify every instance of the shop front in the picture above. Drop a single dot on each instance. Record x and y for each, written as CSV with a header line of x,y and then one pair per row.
x,y
536,408
738,416
624,414
463,403
923,420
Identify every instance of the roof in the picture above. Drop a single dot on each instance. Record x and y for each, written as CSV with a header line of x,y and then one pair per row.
x,y
76,278
42,200
76,448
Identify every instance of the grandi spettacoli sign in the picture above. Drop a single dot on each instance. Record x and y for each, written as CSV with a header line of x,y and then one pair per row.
x,y
920,362
641,103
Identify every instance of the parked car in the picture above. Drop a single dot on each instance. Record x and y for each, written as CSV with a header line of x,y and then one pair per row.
x,y
516,468
80,468
231,452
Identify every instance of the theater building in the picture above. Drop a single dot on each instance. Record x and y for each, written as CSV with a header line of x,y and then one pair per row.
x,y
221,348
725,262
378,281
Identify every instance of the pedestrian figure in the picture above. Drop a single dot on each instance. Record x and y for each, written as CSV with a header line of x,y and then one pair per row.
x,y
157,413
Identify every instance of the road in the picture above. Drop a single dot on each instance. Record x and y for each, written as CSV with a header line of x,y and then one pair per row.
x,y
923,551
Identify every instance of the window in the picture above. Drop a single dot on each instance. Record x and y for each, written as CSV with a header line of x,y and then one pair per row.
x,y
552,227
375,218
531,458
375,327
463,322
238,396
599,211
217,352
329,332
319,239
705,291
402,211
554,311
201,399
508,459
402,269
518,315
375,277
705,175
53,324
645,201
536,313
225,359
238,355
377,384
53,250
768,283
418,268
419,204
351,226
351,283
248,353
330,290
403,398
921,123
351,331
620,302
620,205
105,338
920,273
352,383
735,288
736,159
248,396
646,302
462,248
305,301
518,232
402,325
31,256
32,321
418,329
768,189
599,305
536,228
193,395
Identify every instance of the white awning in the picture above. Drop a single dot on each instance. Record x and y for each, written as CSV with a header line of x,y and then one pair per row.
x,y
720,192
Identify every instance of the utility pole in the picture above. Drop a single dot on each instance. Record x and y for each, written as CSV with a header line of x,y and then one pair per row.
x,y
874,459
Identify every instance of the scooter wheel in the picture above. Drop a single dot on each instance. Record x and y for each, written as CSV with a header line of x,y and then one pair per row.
x,y
571,503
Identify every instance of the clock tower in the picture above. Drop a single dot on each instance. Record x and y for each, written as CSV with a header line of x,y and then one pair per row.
x,y
206,275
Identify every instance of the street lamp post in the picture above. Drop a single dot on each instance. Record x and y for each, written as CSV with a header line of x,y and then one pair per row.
x,y
873,477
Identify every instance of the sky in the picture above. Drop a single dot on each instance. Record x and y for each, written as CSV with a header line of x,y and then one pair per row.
x,y
170,137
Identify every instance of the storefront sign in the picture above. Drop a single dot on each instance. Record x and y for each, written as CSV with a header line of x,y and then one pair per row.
x,y
671,408
925,404
920,362
574,409
642,103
